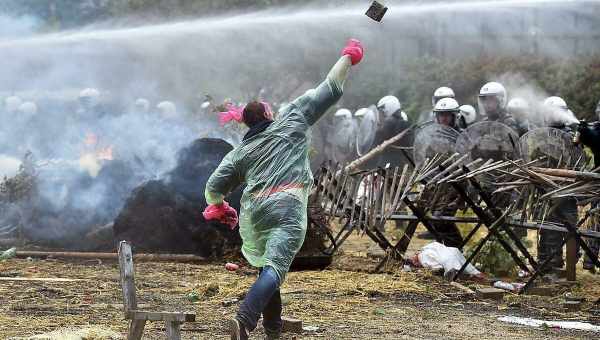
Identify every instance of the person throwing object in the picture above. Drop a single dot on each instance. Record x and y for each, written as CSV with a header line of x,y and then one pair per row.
x,y
272,161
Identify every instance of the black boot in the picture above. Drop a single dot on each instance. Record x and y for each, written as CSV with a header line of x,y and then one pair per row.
x,y
237,331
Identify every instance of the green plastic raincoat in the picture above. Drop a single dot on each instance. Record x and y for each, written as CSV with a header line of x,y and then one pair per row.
x,y
275,167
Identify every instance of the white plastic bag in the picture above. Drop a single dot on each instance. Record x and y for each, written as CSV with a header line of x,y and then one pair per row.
x,y
437,256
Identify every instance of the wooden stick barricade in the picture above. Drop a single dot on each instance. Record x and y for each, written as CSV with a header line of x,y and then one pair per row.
x,y
365,200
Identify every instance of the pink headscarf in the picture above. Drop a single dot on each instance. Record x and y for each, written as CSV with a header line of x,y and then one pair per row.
x,y
233,113
236,113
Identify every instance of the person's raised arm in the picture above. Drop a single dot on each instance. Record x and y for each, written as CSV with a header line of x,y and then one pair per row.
x,y
315,102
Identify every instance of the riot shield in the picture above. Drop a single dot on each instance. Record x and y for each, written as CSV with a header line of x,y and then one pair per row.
x,y
554,145
489,140
432,139
343,140
367,129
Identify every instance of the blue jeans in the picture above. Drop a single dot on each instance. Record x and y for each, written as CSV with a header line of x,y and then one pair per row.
x,y
263,298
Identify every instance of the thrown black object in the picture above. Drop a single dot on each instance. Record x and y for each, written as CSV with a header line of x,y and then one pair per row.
x,y
376,11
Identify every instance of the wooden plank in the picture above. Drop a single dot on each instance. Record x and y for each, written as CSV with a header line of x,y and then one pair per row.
x,y
376,150
127,278
183,258
173,330
510,221
571,258
580,175
136,329
162,316
490,293
467,219
42,279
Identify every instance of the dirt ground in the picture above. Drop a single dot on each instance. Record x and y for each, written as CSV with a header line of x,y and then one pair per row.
x,y
345,301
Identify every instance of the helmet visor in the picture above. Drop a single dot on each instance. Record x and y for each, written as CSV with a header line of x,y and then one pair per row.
x,y
447,118
489,105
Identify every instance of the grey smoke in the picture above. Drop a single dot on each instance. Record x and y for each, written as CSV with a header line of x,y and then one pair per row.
x,y
539,115
277,53
517,86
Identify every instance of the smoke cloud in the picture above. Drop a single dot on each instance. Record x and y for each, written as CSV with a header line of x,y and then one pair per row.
x,y
89,158
538,114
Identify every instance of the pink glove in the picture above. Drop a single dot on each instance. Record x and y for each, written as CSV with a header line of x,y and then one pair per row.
x,y
230,218
222,213
353,49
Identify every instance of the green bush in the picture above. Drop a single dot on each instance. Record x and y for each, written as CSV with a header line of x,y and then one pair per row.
x,y
494,259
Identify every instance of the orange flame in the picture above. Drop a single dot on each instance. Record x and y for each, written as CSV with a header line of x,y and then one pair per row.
x,y
93,148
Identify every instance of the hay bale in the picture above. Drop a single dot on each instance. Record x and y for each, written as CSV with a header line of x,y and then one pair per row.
x,y
166,215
